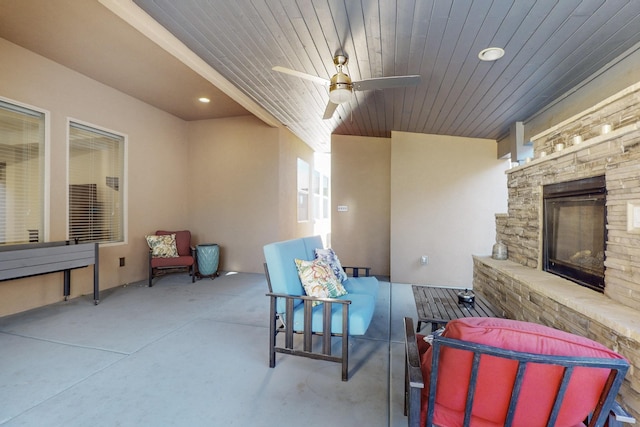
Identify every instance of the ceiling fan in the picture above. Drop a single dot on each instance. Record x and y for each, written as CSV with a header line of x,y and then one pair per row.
x,y
341,87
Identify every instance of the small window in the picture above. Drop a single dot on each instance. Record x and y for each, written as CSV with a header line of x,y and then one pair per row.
x,y
96,174
317,197
325,197
303,191
22,172
320,196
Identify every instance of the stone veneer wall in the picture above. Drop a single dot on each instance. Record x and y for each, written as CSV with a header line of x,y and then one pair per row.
x,y
616,155
532,295
519,287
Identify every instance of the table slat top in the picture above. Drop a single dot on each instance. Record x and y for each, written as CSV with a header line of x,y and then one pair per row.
x,y
440,305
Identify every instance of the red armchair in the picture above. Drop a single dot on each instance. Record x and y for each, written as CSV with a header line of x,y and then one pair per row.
x,y
164,260
501,372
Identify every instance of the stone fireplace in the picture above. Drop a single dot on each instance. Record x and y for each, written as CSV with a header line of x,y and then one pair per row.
x,y
600,143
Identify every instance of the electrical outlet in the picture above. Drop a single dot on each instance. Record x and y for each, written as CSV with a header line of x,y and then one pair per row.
x,y
122,262
424,260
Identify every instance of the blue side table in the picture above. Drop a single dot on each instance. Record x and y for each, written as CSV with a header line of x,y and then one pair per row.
x,y
208,259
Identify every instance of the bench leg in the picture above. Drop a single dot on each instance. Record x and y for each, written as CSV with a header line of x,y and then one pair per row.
x,y
67,284
96,277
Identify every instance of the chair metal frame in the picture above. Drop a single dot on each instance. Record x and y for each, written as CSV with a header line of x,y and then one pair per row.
x,y
285,326
606,412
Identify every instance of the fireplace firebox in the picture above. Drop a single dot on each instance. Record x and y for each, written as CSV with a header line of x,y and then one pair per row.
x,y
574,231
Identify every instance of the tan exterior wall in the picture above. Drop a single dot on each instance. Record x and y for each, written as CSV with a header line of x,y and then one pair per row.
x,y
444,194
360,176
230,181
290,149
242,188
411,195
156,144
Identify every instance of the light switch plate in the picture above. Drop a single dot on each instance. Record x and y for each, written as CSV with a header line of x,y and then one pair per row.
x,y
342,208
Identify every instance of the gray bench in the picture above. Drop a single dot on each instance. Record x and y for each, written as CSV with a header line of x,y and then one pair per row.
x,y
34,259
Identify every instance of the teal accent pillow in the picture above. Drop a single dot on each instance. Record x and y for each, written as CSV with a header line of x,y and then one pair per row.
x,y
330,257
318,279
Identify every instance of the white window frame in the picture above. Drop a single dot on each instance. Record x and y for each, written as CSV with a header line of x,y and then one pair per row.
x,y
317,197
123,186
324,193
320,183
303,190
46,173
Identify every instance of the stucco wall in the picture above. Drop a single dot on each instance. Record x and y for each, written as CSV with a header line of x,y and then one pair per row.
x,y
360,177
444,193
414,195
157,143
230,181
242,188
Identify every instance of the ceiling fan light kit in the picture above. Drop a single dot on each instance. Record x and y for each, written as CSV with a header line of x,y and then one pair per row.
x,y
341,87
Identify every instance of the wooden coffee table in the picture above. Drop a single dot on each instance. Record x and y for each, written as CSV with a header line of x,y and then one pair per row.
x,y
440,305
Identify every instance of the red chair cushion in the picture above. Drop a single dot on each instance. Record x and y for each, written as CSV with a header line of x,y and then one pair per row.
x,y
183,241
496,376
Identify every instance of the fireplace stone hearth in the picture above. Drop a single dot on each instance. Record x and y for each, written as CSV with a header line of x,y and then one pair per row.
x,y
522,289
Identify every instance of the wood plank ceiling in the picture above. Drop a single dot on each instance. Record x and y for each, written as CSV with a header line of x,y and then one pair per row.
x,y
551,47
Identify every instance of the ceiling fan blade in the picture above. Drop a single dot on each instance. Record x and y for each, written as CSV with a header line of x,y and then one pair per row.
x,y
328,112
302,75
386,82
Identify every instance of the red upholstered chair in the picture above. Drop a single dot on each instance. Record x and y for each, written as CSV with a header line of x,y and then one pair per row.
x,y
184,261
498,372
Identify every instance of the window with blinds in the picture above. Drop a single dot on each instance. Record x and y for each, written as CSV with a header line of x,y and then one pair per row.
x,y
96,173
22,139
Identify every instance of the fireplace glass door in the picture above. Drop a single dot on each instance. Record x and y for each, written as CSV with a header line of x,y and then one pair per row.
x,y
575,231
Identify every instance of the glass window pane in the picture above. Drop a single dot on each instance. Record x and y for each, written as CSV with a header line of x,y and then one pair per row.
x,y
303,190
22,139
316,182
96,173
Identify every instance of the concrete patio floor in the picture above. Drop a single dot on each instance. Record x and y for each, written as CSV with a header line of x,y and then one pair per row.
x,y
192,354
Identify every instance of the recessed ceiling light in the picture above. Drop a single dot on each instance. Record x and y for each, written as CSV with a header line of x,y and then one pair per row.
x,y
491,54
204,100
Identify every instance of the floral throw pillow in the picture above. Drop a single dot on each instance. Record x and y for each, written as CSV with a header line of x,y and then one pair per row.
x,y
330,257
163,246
318,279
